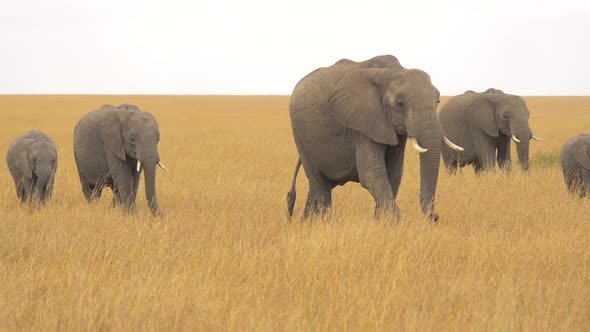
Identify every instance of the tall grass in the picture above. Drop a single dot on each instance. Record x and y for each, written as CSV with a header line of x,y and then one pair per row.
x,y
510,252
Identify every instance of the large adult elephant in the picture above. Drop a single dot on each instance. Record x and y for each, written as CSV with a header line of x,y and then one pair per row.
x,y
575,163
351,121
483,124
112,145
32,162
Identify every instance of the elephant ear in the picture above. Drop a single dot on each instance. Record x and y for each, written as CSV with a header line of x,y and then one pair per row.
x,y
357,104
111,134
582,155
481,114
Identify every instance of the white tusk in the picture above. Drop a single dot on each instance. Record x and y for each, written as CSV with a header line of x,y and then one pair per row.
x,y
138,165
515,139
163,167
536,138
417,146
452,145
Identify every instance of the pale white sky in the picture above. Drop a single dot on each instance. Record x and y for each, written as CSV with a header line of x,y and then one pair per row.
x,y
264,47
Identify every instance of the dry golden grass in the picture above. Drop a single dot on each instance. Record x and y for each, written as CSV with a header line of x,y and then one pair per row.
x,y
510,253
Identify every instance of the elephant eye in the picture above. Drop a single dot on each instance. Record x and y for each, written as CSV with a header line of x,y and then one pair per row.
x,y
399,104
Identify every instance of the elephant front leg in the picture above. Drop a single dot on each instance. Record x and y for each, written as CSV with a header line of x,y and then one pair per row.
x,y
450,163
485,148
504,159
372,171
122,182
394,161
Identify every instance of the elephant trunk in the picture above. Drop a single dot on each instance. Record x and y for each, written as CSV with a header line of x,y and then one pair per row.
x,y
524,134
429,136
522,150
150,186
40,186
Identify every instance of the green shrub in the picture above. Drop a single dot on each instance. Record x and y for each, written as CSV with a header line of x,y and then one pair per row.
x,y
545,159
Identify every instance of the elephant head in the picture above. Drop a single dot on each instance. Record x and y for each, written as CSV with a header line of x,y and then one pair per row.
x,y
385,103
134,135
497,113
39,164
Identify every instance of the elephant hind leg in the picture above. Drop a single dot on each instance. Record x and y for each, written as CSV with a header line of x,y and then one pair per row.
x,y
574,181
24,189
91,191
319,200
21,193
586,183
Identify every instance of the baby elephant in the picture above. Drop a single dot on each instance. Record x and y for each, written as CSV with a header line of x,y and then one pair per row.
x,y
575,162
32,161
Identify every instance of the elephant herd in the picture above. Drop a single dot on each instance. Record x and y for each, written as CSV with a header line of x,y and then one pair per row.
x,y
112,146
350,122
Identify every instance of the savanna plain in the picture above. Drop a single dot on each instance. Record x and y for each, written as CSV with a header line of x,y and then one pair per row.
x,y
510,252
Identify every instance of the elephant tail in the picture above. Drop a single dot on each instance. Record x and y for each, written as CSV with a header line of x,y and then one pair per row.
x,y
292,195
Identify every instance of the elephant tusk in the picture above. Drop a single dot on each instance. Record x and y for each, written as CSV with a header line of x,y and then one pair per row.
x,y
515,139
163,167
417,146
536,138
452,145
138,165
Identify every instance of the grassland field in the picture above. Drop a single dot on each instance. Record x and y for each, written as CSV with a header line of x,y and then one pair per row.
x,y
511,251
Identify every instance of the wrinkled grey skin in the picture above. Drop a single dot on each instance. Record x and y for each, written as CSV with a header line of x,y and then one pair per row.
x,y
483,123
108,143
32,161
350,122
575,163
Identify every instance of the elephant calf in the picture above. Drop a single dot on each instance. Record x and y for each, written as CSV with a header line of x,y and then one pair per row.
x,y
575,163
483,124
32,161
112,145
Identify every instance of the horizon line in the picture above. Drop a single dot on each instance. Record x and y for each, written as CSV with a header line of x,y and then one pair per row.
x,y
215,95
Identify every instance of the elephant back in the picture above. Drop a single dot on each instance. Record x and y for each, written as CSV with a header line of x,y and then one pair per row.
x,y
89,150
314,90
453,120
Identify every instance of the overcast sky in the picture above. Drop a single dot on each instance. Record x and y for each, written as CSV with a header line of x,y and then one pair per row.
x,y
264,47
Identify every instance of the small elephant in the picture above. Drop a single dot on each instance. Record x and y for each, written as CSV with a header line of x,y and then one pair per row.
x,y
351,122
112,145
32,161
483,124
575,163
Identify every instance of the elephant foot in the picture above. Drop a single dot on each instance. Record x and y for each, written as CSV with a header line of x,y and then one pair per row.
x,y
389,211
157,213
433,217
